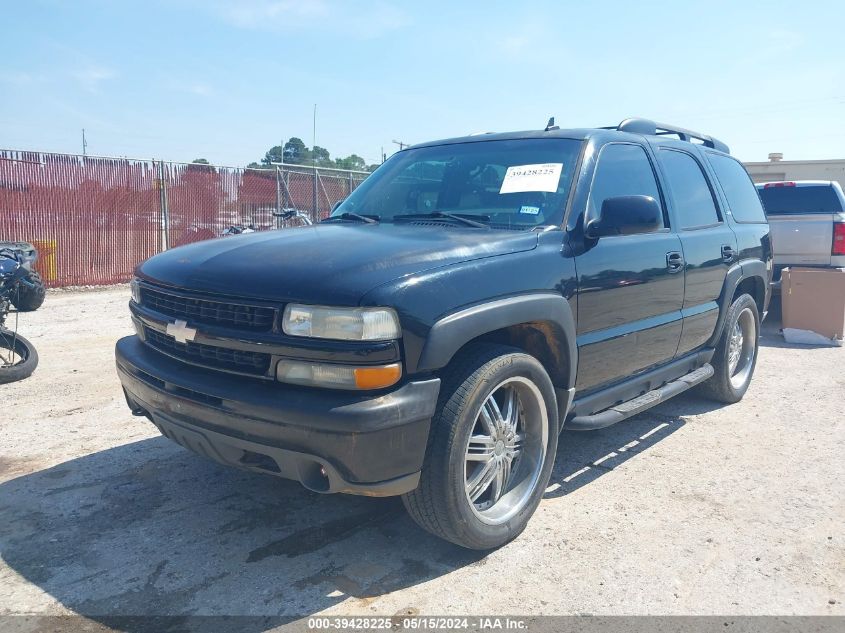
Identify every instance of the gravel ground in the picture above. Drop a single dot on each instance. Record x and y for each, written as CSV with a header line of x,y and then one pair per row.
x,y
691,508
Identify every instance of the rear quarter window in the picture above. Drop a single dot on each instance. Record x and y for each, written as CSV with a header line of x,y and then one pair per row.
x,y
693,199
740,192
799,200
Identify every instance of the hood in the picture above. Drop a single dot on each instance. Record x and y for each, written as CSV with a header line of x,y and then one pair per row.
x,y
330,264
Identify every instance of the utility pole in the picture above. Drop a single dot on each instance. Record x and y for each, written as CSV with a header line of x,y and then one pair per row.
x,y
280,174
163,208
277,219
316,212
84,143
314,135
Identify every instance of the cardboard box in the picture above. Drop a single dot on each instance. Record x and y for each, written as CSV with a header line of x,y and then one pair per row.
x,y
814,299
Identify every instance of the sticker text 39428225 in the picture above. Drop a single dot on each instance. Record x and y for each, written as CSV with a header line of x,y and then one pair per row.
x,y
524,178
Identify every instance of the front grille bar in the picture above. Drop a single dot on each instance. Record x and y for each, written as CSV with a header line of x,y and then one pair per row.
x,y
210,356
217,312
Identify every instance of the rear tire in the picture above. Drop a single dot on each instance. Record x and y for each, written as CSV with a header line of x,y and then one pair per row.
x,y
15,348
27,298
491,448
736,353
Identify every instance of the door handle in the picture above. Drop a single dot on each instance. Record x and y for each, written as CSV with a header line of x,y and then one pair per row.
x,y
727,253
674,261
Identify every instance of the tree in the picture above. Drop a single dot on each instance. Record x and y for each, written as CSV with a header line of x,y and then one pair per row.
x,y
321,156
295,151
201,161
353,161
273,155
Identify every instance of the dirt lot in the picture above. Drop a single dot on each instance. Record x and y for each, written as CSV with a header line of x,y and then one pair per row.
x,y
691,508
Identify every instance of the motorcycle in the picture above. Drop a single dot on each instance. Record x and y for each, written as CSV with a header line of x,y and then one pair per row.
x,y
29,295
18,358
291,213
282,219
238,229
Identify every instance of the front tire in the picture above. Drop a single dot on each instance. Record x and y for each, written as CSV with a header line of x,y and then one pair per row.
x,y
491,448
736,353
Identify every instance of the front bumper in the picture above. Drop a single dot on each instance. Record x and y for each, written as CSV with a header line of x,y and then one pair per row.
x,y
330,441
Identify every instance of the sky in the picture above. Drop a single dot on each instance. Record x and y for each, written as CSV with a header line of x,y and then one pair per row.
x,y
226,80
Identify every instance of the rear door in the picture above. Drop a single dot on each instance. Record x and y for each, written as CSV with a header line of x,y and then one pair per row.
x,y
708,242
801,217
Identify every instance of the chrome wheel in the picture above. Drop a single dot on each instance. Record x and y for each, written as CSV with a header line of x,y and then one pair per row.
x,y
741,348
505,450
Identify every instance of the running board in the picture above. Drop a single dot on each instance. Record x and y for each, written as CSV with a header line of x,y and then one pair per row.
x,y
619,412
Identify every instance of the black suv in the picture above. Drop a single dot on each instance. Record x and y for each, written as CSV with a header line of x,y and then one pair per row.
x,y
468,301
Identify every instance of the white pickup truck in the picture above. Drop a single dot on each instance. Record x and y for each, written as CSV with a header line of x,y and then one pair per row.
x,y
807,223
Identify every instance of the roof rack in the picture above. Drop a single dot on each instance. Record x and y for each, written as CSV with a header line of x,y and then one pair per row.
x,y
647,126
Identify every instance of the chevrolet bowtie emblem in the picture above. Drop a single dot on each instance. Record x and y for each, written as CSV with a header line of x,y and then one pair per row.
x,y
180,331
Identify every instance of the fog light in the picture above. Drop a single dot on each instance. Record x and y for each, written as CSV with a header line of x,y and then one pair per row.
x,y
337,376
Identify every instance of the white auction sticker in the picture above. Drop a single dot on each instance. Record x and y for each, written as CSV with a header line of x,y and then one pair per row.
x,y
523,178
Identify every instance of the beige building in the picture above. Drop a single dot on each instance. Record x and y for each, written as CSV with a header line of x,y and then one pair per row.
x,y
778,169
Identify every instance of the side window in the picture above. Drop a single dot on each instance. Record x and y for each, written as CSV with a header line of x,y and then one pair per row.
x,y
739,190
622,170
690,192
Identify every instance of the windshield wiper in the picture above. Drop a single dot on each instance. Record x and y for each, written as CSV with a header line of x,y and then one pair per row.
x,y
353,217
465,218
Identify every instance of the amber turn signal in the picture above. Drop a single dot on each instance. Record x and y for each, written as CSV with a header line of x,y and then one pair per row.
x,y
377,377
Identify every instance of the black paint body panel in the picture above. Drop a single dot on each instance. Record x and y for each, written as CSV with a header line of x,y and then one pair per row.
x,y
613,314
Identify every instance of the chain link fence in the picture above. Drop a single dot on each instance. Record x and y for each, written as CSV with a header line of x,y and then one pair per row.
x,y
94,219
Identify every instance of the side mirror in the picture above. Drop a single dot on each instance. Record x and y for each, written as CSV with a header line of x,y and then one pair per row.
x,y
626,215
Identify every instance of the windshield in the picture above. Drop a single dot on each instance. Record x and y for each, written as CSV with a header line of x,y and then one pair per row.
x,y
807,199
519,184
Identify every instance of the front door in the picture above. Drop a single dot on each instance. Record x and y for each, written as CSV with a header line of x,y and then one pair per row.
x,y
630,287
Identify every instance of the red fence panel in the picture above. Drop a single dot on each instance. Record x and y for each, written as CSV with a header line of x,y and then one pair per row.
x,y
94,219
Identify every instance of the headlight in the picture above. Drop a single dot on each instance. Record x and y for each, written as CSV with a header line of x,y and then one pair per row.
x,y
337,376
345,324
135,289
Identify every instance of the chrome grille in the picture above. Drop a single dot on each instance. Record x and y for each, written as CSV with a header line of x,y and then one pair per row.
x,y
209,311
210,356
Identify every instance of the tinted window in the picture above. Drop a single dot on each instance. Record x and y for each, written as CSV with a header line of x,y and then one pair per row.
x,y
739,190
792,200
622,170
517,184
690,191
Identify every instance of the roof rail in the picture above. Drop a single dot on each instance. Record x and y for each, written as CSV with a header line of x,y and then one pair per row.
x,y
647,126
